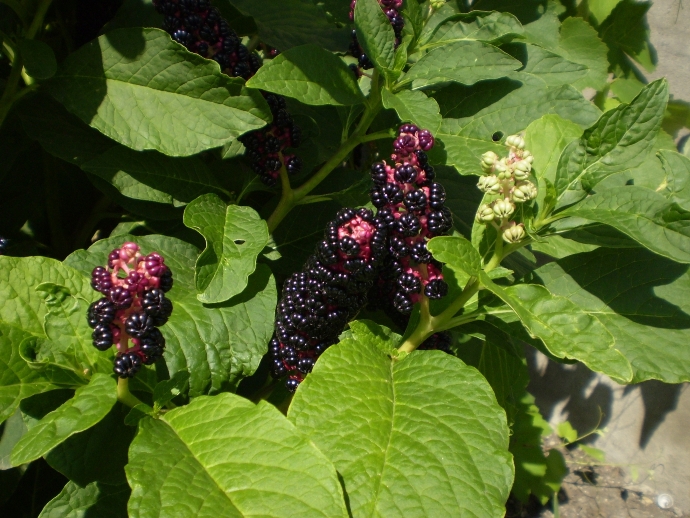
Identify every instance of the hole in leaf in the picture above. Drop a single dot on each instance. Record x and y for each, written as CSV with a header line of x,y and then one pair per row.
x,y
239,241
497,136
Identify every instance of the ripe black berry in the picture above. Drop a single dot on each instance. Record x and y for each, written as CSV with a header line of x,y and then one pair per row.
x,y
436,289
120,297
157,306
138,324
127,364
101,312
102,337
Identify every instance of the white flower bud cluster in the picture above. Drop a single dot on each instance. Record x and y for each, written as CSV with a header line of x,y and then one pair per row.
x,y
508,179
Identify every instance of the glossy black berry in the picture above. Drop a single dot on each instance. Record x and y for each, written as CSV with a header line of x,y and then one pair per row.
x,y
415,201
349,246
101,312
127,364
294,165
3,245
408,225
440,221
420,254
402,303
305,365
437,195
406,173
120,297
138,324
278,370
101,280
409,283
436,289
157,306
102,337
291,384
166,280
378,174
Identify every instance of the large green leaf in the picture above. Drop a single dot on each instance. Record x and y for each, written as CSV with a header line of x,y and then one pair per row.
x,y
626,33
473,116
546,138
676,186
101,500
488,26
553,69
644,215
98,454
620,139
415,107
418,436
217,344
567,330
465,62
375,33
642,299
457,253
579,43
151,176
145,91
226,456
17,379
284,24
90,404
234,236
311,75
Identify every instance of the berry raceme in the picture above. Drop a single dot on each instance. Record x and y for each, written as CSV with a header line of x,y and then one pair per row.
x,y
200,27
412,207
134,305
265,147
319,301
507,180
392,10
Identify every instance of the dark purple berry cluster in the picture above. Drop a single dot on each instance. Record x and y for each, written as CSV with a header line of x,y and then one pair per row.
x,y
392,10
3,244
413,208
200,27
265,147
319,301
134,306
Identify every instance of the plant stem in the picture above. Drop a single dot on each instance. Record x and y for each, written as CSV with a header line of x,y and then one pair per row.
x,y
290,198
124,396
429,324
8,96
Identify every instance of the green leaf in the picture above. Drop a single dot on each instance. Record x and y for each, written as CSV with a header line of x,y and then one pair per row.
x,y
90,404
38,58
458,254
472,116
620,139
676,186
644,215
151,176
567,432
641,298
465,62
414,106
310,74
167,390
95,499
579,43
397,429
595,453
535,473
567,330
17,379
145,91
375,34
234,236
226,456
548,66
626,33
98,454
488,26
13,429
601,9
284,24
546,138
217,344
559,247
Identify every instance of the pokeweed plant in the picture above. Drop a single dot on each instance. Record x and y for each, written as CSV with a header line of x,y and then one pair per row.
x,y
344,335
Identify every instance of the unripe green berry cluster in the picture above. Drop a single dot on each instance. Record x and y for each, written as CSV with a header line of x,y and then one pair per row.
x,y
507,180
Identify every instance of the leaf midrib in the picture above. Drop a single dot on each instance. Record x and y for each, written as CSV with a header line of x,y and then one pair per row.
x,y
388,444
